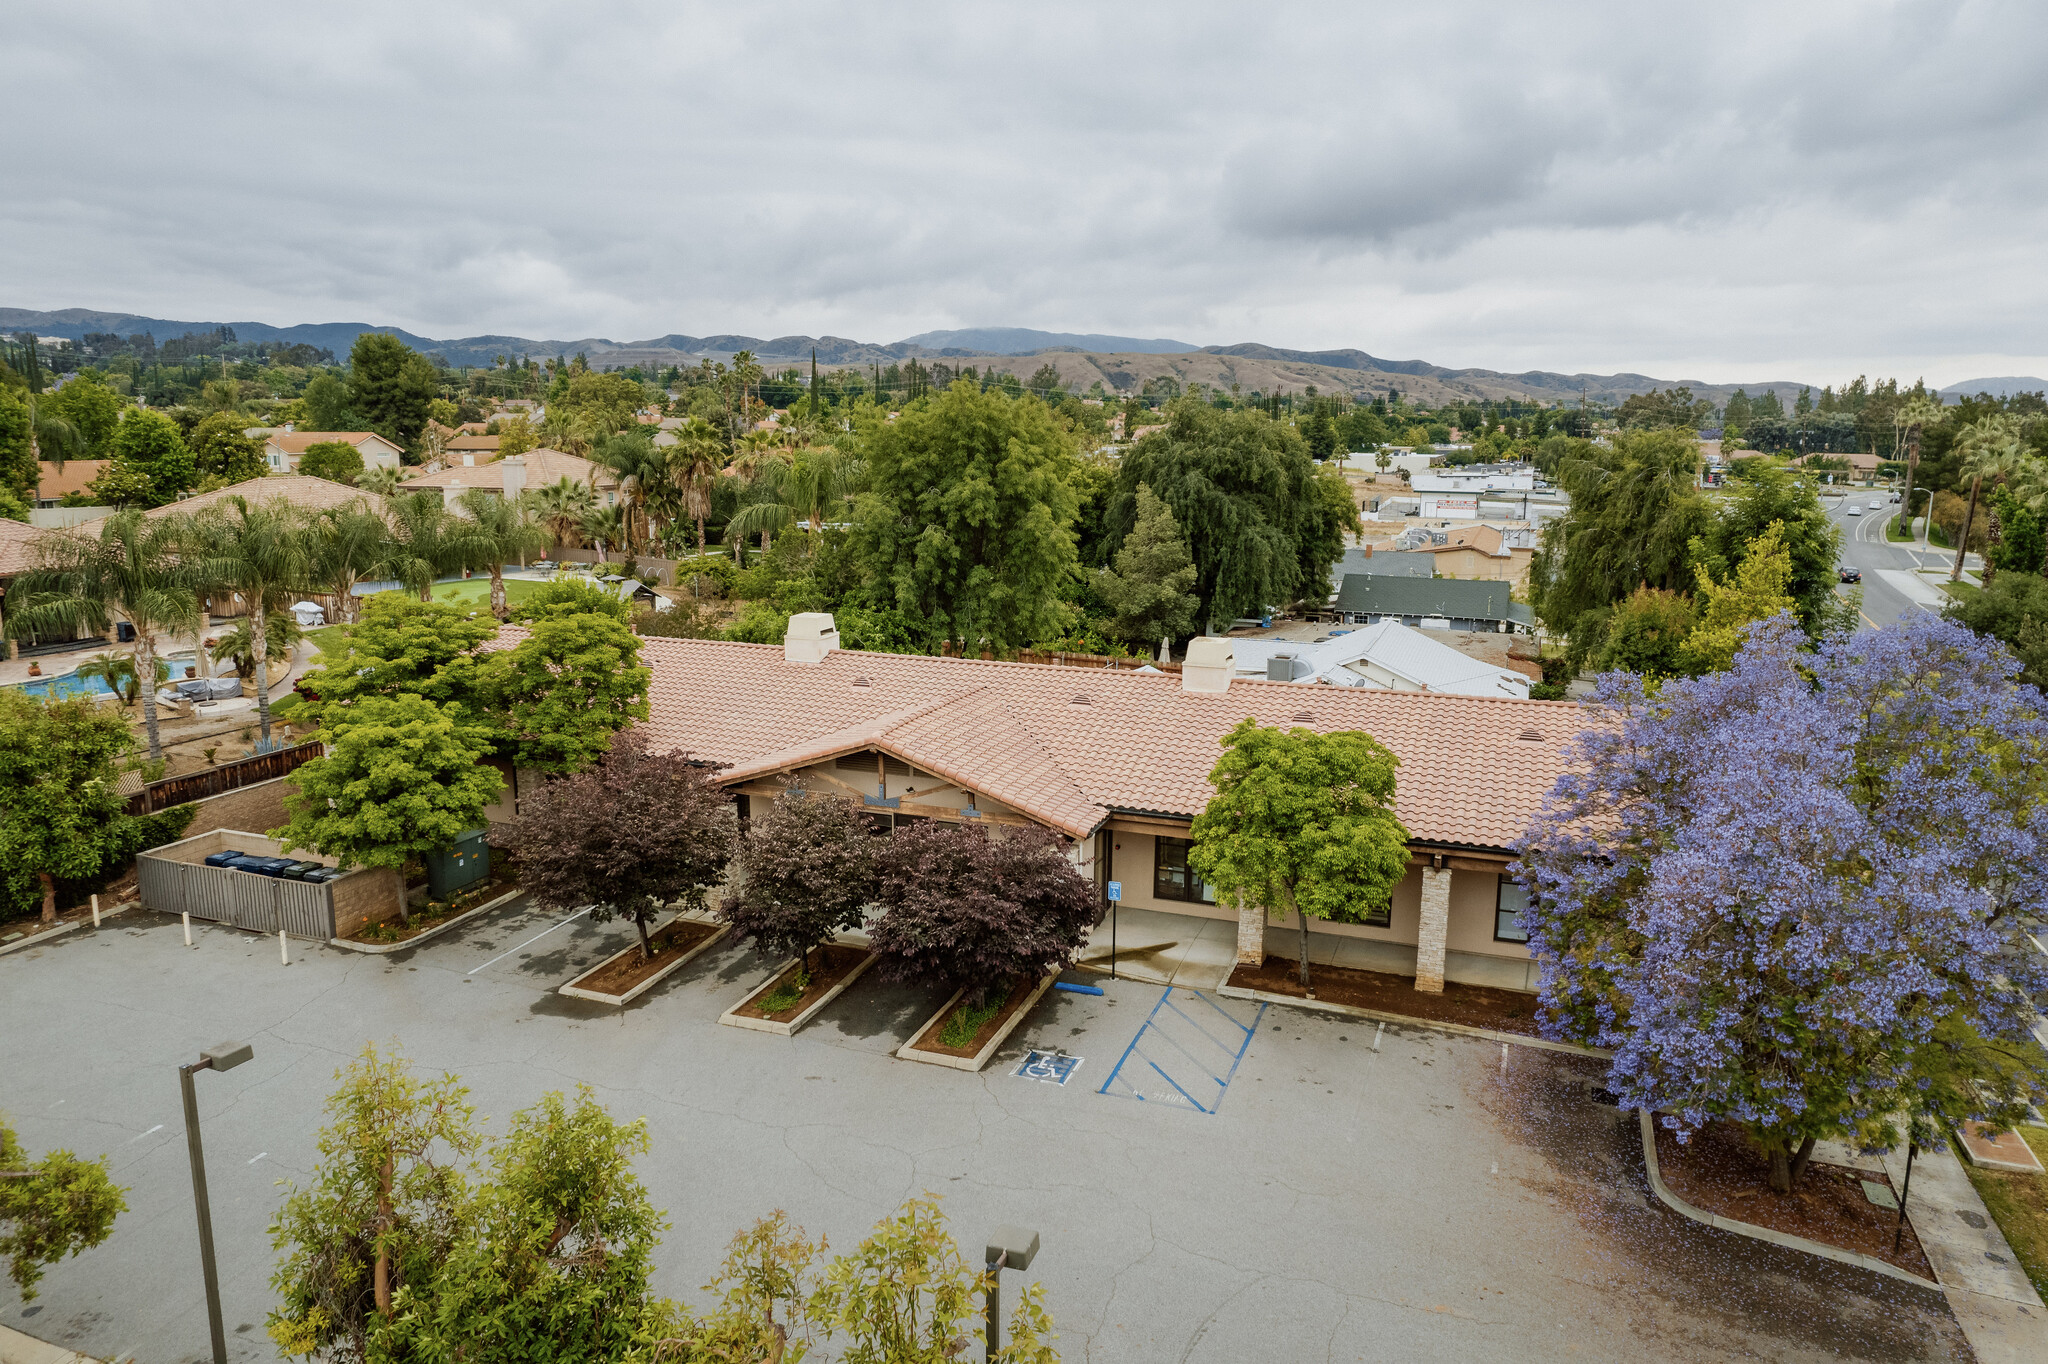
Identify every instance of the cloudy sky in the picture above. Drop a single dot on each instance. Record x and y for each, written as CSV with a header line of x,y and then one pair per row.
x,y
1722,191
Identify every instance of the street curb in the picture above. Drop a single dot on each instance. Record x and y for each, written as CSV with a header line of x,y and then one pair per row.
x,y
60,930
1755,1233
379,949
1409,1020
733,1018
908,1052
17,1347
573,991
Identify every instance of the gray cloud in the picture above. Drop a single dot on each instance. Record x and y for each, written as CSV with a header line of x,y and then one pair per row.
x,y
1717,192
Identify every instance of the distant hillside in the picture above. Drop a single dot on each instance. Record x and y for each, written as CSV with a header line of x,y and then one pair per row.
x,y
1997,388
1120,364
1025,341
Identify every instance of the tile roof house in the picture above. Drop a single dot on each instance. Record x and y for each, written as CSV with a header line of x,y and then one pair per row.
x,y
53,483
301,491
1119,762
1461,604
1389,563
514,474
480,446
282,449
1388,656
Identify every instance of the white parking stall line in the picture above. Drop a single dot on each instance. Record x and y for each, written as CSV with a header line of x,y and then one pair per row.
x,y
530,941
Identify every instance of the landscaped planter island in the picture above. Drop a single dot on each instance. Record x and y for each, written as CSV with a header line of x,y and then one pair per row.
x,y
964,1037
625,976
781,1005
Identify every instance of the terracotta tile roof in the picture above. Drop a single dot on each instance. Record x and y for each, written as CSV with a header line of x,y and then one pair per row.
x,y
302,491
1066,744
543,466
53,483
17,546
474,444
298,442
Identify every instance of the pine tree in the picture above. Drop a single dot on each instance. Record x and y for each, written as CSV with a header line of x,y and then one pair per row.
x,y
1148,590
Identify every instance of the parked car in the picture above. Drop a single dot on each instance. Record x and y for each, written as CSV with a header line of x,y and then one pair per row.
x,y
1850,575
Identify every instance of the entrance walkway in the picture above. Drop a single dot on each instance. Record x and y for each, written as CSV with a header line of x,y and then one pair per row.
x,y
1993,1302
1163,949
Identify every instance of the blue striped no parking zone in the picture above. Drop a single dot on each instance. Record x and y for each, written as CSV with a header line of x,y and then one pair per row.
x,y
1186,1052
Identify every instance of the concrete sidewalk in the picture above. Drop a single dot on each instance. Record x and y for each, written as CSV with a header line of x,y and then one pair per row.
x,y
1989,1293
16,1348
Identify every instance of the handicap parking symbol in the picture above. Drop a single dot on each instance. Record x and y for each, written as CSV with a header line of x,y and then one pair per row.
x,y
1052,1067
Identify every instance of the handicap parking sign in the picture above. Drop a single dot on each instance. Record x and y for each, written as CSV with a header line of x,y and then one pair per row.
x,y
1116,890
1052,1067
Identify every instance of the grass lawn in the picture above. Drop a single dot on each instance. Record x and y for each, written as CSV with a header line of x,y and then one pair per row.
x,y
1959,590
2019,1204
477,591
1895,531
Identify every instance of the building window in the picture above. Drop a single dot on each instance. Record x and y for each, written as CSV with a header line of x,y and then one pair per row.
x,y
1172,878
1507,913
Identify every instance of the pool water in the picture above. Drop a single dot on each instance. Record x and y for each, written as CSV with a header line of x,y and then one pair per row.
x,y
70,684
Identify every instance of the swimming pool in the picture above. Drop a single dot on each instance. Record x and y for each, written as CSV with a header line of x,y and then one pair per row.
x,y
71,684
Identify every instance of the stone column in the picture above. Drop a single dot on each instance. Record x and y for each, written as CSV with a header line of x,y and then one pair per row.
x,y
1429,938
1251,933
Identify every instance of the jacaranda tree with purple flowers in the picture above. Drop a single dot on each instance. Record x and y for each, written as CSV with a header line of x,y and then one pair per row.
x,y
1767,888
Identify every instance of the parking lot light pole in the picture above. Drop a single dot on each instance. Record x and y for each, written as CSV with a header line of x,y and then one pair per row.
x,y
1009,1247
224,1056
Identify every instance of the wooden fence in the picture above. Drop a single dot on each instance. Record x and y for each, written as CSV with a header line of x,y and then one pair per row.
x,y
214,781
1067,660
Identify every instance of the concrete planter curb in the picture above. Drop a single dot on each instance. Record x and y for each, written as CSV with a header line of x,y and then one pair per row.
x,y
38,939
1410,1021
16,1348
574,992
735,1019
1755,1233
378,949
908,1052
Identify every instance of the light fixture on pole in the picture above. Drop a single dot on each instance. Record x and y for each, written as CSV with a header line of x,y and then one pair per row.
x,y
1009,1247
222,1056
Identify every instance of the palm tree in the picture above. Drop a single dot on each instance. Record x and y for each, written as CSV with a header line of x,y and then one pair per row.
x,y
1916,412
422,544
263,555
693,471
821,480
135,573
605,526
348,544
383,480
1989,447
497,529
51,436
562,505
119,672
641,467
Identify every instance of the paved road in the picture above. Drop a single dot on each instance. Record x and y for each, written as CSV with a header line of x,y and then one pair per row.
x,y
1890,589
1356,1196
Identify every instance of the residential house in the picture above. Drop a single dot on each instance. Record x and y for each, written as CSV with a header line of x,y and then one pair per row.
x,y
470,449
1494,553
514,474
1432,603
1394,563
282,449
1118,762
17,556
54,484
1388,656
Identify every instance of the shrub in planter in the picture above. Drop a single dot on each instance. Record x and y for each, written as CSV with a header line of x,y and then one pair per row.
x,y
631,833
806,870
965,909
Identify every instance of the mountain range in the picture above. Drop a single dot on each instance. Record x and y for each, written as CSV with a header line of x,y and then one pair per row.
x,y
1120,363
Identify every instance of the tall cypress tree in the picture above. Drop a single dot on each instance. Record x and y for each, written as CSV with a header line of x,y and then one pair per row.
x,y
814,383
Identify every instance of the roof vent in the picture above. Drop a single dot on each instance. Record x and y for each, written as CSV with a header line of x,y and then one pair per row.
x,y
862,682
1530,736
1304,717
1081,699
1209,663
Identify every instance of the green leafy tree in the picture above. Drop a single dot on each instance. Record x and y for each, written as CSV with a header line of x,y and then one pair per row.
x,y
334,460
2020,547
383,1210
2013,609
495,531
222,451
390,386
1303,823
605,402
1674,410
135,572
556,1250
1634,514
575,596
20,471
51,1208
327,405
263,555
1319,433
1148,590
93,409
1261,527
401,778
1758,590
61,808
566,689
1646,634
400,646
968,521
150,443
118,485
1768,494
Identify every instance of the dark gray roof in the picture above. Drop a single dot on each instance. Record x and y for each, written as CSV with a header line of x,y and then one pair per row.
x,y
1386,564
1457,598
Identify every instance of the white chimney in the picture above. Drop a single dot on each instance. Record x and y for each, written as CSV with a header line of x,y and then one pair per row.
x,y
812,635
469,461
514,467
451,494
1210,662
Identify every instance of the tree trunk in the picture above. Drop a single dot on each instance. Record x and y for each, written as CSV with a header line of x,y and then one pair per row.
x,y
1799,1162
382,1287
1969,520
259,645
49,897
1287,904
1781,1168
404,900
498,607
145,678
1912,468
646,948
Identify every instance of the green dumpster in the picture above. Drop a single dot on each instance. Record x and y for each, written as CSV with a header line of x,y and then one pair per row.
x,y
464,864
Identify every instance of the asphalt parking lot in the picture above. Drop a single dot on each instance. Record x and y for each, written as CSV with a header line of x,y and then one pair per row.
x,y
1357,1193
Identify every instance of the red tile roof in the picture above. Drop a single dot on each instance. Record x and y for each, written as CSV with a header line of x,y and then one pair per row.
x,y
1069,745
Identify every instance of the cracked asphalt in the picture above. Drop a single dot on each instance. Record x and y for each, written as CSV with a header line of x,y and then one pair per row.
x,y
1361,1194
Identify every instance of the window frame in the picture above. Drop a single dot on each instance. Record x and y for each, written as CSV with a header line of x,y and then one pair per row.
x,y
1500,884
1165,890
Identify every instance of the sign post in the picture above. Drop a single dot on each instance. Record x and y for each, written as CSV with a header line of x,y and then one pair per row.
x,y
1116,895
